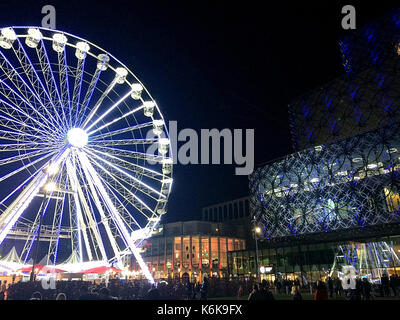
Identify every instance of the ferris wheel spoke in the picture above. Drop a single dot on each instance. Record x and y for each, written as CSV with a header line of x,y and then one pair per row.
x,y
99,102
104,114
12,120
35,81
124,212
21,157
14,134
19,83
125,142
32,235
104,218
26,146
121,227
76,93
12,96
90,91
12,173
64,84
136,183
129,154
90,221
112,121
10,135
10,216
50,80
82,229
90,213
22,185
121,131
56,225
126,193
130,165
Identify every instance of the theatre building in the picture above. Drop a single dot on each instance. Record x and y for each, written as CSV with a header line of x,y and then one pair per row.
x,y
191,249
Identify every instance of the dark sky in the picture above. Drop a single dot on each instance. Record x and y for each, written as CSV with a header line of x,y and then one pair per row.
x,y
213,65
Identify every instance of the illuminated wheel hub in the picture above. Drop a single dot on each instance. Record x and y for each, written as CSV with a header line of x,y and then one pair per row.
x,y
77,137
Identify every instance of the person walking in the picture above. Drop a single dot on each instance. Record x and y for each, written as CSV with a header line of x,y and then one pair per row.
x,y
385,285
321,293
366,289
296,294
338,287
255,294
239,292
204,289
330,287
153,293
393,284
265,293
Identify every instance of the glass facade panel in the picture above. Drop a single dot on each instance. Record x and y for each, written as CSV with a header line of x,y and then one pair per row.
x,y
186,252
177,252
214,252
205,251
230,244
223,253
195,251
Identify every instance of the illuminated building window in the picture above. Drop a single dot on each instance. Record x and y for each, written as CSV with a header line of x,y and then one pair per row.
x,y
177,252
392,200
223,253
214,252
205,253
297,217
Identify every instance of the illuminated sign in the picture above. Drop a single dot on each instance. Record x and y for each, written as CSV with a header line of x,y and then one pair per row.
x,y
266,268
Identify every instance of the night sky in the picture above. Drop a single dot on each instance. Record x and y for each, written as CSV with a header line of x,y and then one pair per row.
x,y
214,66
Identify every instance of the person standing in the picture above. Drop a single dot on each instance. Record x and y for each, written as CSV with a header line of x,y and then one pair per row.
x,y
296,294
321,293
239,292
330,287
264,291
338,287
255,294
153,293
204,289
385,285
393,284
366,289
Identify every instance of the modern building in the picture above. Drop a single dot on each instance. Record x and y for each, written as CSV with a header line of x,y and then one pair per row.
x,y
335,201
229,211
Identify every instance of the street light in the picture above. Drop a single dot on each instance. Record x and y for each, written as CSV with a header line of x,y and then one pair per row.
x,y
48,188
257,231
52,169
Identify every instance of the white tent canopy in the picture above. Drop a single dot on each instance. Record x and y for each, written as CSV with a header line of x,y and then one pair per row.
x,y
12,256
72,264
11,261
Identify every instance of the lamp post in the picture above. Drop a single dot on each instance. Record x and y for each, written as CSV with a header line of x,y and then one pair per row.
x,y
52,169
38,237
257,231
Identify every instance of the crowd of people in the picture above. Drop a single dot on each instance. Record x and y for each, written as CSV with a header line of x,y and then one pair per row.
x,y
178,289
114,289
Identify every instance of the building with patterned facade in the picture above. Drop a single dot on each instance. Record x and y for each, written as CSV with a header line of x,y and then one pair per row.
x,y
335,200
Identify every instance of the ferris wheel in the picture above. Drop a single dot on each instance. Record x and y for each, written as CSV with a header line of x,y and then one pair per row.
x,y
85,156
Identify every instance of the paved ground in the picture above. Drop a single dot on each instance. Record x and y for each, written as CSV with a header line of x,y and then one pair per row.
x,y
305,297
